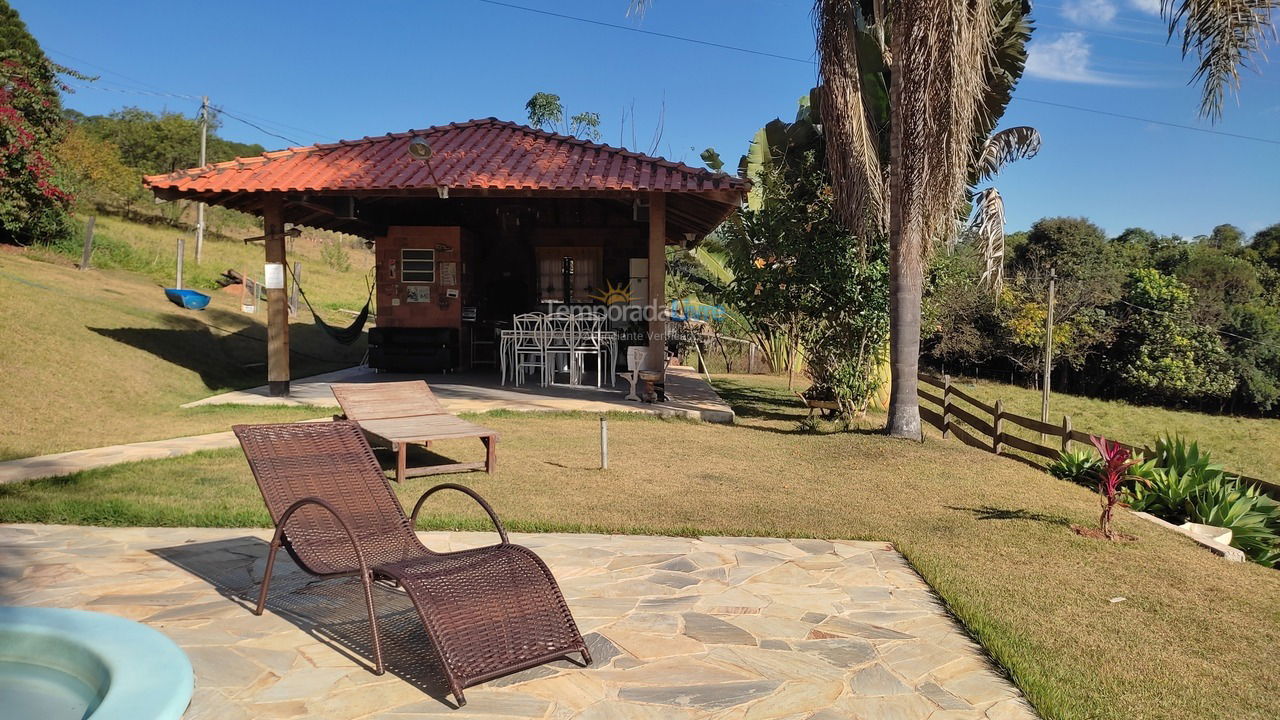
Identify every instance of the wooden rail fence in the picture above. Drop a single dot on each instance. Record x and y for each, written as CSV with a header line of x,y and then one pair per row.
x,y
988,421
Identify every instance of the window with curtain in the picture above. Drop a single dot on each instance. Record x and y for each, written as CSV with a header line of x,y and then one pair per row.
x,y
588,272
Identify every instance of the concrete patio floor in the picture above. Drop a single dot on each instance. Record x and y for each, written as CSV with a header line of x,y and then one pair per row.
x,y
688,394
725,628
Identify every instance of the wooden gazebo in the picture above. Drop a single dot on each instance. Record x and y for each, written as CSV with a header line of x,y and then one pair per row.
x,y
469,214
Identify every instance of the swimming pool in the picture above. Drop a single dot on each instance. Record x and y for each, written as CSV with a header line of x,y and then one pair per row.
x,y
58,664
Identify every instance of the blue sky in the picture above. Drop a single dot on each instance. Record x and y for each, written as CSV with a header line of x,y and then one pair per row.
x,y
322,70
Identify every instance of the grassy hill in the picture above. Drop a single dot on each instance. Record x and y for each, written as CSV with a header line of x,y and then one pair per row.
x,y
100,357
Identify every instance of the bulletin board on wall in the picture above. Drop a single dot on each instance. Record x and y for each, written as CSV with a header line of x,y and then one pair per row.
x,y
420,277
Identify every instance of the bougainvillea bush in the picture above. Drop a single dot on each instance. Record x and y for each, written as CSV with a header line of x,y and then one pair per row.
x,y
33,201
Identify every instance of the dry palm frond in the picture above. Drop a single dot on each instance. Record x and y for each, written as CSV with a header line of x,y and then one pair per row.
x,y
987,228
1002,148
858,173
1225,34
942,50
637,8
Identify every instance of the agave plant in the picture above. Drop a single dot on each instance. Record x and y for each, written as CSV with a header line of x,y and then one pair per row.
x,y
1165,483
1113,470
1077,466
1185,458
1252,517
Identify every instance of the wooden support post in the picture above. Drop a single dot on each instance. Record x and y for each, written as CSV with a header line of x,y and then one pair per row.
x,y
604,443
946,406
751,359
1066,433
88,243
997,426
1048,351
657,281
277,297
182,251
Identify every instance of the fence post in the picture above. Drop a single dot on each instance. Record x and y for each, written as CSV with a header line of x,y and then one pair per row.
x,y
946,406
1066,433
997,426
751,359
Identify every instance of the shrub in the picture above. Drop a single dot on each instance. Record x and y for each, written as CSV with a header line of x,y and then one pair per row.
x,y
1182,484
1113,470
334,255
1077,466
1252,517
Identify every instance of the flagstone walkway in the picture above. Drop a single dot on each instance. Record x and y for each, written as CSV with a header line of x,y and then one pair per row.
x,y
723,628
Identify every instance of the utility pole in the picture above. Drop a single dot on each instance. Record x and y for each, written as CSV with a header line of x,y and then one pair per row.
x,y
204,137
1048,349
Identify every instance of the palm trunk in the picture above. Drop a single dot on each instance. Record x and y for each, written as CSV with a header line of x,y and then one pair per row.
x,y
905,285
906,238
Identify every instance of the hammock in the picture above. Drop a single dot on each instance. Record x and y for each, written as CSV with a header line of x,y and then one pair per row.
x,y
344,335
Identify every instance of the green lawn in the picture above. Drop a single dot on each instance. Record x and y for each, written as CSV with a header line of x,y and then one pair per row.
x,y
101,357
1250,446
1195,637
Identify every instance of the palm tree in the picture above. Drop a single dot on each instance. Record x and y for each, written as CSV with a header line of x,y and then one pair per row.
x,y
944,70
911,93
1226,35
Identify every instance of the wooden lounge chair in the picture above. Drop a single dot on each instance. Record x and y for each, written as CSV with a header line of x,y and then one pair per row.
x,y
407,413
488,611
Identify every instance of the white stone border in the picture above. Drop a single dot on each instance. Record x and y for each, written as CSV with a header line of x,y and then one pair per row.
x,y
1224,551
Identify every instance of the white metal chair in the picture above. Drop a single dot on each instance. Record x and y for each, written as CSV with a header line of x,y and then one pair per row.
x,y
587,338
560,345
528,344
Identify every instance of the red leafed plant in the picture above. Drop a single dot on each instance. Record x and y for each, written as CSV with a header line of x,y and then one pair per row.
x,y
1116,460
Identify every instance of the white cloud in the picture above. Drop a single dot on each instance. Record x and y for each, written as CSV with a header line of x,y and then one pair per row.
x,y
1151,7
1066,59
1091,12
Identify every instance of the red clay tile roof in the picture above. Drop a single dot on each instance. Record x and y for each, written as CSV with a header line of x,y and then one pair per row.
x,y
479,154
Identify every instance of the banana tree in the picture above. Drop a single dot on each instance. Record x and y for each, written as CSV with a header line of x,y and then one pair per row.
x,y
986,223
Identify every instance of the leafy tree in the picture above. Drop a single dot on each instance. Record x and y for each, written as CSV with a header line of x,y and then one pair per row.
x,y
157,143
1224,237
1161,353
33,205
547,112
1219,281
1265,246
93,170
797,268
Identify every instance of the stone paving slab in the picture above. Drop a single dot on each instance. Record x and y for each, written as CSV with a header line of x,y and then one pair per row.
x,y
691,398
718,628
76,460
689,395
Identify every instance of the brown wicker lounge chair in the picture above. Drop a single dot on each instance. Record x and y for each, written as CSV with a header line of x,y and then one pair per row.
x,y
407,413
489,611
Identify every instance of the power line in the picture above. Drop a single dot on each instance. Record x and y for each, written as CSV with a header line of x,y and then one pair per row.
x,y
154,88
642,31
1220,332
749,51
1137,118
259,128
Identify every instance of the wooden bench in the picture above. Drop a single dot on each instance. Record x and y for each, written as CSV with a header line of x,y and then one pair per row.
x,y
401,414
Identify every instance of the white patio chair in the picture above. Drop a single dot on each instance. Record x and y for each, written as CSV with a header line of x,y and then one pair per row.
x,y
559,329
529,346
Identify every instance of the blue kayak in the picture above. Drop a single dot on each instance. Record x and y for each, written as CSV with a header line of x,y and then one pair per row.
x,y
189,299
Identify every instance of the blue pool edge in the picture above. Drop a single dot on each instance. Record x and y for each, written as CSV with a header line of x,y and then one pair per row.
x,y
150,676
